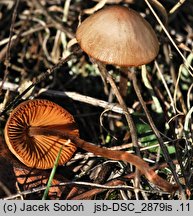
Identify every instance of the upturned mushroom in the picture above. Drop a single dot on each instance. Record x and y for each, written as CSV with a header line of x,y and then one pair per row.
x,y
39,151
120,36
36,130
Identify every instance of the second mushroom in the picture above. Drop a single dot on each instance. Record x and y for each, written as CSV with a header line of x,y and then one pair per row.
x,y
120,36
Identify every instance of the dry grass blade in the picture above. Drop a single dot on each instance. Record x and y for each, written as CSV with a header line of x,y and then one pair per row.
x,y
187,64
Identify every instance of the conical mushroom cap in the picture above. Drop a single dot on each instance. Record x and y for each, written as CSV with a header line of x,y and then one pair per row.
x,y
119,36
39,151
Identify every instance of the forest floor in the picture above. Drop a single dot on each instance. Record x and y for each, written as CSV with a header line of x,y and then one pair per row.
x,y
35,37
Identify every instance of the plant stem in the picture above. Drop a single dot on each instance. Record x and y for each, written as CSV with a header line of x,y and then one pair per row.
x,y
154,128
37,80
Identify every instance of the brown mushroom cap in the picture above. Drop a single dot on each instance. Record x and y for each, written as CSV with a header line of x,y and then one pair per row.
x,y
39,151
118,35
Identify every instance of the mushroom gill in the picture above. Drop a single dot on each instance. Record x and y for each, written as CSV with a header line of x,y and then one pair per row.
x,y
39,151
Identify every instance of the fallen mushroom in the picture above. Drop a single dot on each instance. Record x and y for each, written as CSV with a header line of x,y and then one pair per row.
x,y
39,151
36,129
120,36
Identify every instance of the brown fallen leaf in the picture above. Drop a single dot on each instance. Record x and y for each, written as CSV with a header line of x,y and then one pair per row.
x,y
31,179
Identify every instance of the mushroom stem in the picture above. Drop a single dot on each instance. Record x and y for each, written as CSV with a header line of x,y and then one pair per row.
x,y
128,117
110,154
123,84
133,78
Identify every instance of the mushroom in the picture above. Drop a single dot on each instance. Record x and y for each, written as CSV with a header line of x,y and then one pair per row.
x,y
39,151
36,130
120,36
117,35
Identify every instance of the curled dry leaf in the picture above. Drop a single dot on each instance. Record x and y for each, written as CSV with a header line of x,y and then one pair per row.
x,y
36,179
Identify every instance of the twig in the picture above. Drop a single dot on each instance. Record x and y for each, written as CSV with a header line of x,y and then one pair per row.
x,y
28,32
96,191
176,6
58,24
177,91
9,44
148,85
187,64
155,130
98,6
74,96
38,79
166,87
87,184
